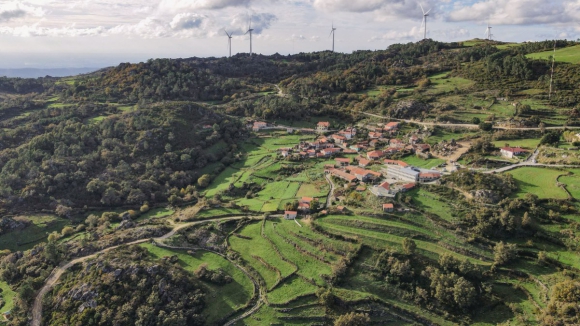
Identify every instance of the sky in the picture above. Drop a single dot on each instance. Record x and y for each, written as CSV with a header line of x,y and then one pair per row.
x,y
99,33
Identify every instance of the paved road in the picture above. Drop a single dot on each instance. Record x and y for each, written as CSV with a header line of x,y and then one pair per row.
x,y
464,125
330,196
526,164
58,271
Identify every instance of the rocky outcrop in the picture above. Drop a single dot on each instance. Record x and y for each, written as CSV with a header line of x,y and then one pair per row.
x,y
408,109
486,196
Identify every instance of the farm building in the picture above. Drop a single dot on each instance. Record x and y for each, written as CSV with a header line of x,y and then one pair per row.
x,y
510,152
388,207
382,190
290,215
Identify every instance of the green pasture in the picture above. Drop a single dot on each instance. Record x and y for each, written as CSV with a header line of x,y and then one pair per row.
x,y
422,163
570,55
39,229
538,181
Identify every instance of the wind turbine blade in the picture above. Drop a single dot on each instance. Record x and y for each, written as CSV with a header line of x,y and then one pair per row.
x,y
332,31
422,8
428,11
423,22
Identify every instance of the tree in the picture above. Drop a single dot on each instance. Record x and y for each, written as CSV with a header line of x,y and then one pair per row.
x,y
314,205
409,246
485,126
476,120
352,319
136,196
504,252
67,230
204,180
63,211
464,293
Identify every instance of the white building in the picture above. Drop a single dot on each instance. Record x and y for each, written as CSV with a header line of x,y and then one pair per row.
x,y
290,215
510,152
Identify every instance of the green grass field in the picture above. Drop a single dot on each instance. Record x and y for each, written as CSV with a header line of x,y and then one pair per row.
x,y
538,181
442,82
156,213
523,143
222,181
432,203
223,299
572,183
8,297
570,55
35,233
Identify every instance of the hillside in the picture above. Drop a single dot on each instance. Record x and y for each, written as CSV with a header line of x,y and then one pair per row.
x,y
427,183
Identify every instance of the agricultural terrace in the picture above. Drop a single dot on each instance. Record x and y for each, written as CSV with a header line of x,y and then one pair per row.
x,y
280,181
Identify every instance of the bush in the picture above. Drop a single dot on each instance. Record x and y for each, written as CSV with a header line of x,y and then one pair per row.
x,y
67,230
144,208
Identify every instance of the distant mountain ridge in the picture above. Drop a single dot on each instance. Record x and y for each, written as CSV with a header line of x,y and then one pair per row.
x,y
40,72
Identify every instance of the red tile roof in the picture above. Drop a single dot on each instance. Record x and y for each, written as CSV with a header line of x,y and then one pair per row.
x,y
324,124
387,206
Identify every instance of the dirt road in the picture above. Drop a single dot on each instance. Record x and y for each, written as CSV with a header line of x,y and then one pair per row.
x,y
58,271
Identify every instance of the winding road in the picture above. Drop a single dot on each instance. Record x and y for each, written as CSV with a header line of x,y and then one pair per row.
x,y
330,197
59,271
464,125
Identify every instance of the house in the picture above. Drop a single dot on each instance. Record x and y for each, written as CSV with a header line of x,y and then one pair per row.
x,y
284,153
429,176
290,215
374,143
375,155
510,152
290,130
322,126
382,190
328,166
349,133
375,135
407,187
304,207
363,162
342,161
342,175
388,208
311,153
362,174
258,125
392,150
338,139
357,148
303,154
330,151
306,200
414,139
340,209
396,143
391,126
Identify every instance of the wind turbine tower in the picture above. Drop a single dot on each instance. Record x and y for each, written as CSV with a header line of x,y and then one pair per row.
x,y
332,31
488,35
229,41
250,30
425,15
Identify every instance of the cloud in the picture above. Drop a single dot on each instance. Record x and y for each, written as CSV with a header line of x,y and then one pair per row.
x,y
413,33
187,21
260,22
201,4
15,9
518,12
382,8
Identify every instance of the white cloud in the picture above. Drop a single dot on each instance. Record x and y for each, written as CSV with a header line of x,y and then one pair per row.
x,y
241,22
518,12
16,9
201,4
412,34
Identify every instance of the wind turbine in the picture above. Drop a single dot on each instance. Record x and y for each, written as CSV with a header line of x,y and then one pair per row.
x,y
250,30
332,33
488,35
229,41
425,15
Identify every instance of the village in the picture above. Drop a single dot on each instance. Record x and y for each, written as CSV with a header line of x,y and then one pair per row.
x,y
370,166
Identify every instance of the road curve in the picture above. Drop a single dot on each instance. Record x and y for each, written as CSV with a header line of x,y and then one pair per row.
x,y
58,271
465,125
330,196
